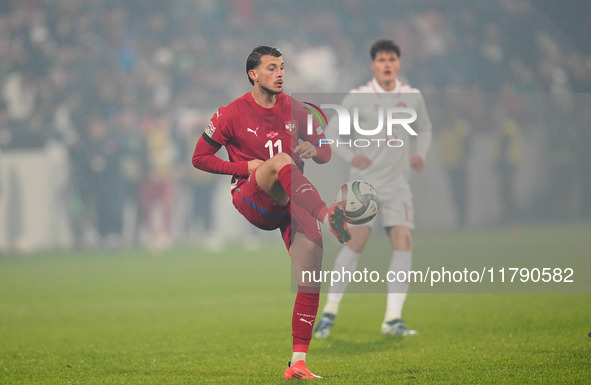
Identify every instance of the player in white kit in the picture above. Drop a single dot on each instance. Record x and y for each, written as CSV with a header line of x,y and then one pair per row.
x,y
385,163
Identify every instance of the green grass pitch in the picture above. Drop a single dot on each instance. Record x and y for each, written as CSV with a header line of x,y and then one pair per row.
x,y
188,316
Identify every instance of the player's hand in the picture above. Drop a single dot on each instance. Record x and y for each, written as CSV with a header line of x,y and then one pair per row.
x,y
361,162
306,150
253,164
416,162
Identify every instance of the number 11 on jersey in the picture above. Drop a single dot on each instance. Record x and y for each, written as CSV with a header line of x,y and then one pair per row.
x,y
270,145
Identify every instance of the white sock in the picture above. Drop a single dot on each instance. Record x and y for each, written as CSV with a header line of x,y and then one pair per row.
x,y
347,260
401,261
298,356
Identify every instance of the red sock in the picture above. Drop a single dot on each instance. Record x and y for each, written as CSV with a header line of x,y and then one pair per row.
x,y
303,192
304,315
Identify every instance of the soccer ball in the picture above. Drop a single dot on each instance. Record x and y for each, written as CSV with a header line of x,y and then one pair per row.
x,y
360,201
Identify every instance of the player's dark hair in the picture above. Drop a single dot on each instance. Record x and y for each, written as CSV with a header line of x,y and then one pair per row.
x,y
254,59
384,46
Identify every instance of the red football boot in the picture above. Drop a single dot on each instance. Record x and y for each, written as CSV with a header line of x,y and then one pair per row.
x,y
299,371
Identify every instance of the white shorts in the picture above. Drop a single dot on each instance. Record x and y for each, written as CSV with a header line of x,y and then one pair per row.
x,y
396,208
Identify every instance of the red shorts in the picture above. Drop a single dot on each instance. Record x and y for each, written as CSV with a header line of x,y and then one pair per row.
x,y
263,212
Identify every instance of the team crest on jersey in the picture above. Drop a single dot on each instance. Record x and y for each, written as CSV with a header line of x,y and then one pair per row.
x,y
290,126
209,130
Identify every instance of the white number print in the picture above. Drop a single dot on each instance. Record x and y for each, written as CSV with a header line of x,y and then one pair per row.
x,y
270,145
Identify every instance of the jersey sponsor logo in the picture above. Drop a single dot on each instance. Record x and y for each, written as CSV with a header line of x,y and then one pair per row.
x,y
290,126
210,129
253,131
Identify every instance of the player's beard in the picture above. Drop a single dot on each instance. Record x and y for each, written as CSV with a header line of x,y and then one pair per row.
x,y
270,91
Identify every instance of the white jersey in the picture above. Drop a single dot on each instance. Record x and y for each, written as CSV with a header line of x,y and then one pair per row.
x,y
390,166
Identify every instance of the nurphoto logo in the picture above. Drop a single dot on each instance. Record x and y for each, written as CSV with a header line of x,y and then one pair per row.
x,y
391,116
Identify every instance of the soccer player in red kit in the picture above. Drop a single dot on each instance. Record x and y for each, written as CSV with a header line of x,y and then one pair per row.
x,y
264,132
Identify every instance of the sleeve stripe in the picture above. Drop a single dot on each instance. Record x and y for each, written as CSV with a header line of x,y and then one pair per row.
x,y
211,141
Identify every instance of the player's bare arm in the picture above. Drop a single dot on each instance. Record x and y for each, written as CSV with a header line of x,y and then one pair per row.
x,y
417,163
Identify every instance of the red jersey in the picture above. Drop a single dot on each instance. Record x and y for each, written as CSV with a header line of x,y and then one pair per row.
x,y
250,131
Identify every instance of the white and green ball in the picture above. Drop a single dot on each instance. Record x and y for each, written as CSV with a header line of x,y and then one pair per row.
x,y
360,201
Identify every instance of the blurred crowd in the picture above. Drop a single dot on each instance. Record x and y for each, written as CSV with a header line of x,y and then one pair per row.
x,y
128,86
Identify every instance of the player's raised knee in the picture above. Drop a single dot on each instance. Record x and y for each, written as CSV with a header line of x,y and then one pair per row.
x,y
279,160
282,157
